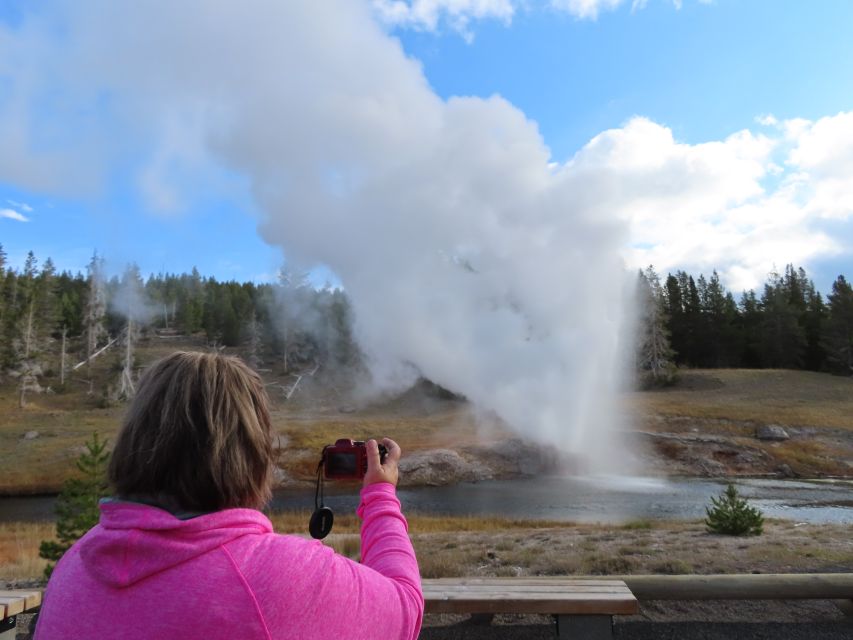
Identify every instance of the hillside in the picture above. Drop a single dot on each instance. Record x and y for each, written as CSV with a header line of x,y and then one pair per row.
x,y
704,425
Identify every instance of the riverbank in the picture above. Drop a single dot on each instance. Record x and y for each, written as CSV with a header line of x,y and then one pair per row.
x,y
714,423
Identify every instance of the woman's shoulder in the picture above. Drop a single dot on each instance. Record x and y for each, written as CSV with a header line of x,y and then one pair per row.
x,y
285,543
255,556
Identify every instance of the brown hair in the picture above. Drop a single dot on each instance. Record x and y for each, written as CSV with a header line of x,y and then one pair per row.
x,y
198,432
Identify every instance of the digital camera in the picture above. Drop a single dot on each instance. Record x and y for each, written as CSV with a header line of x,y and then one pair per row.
x,y
347,459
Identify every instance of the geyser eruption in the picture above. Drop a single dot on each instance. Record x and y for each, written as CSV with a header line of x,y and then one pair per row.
x,y
465,252
469,255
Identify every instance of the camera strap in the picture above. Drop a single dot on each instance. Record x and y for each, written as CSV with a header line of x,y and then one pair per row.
x,y
322,519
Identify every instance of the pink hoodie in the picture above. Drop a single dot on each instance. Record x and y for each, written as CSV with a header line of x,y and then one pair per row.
x,y
143,573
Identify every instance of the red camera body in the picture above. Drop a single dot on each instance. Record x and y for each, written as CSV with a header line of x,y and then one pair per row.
x,y
347,459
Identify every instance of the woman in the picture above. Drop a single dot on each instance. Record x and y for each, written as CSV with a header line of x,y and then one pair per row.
x,y
183,552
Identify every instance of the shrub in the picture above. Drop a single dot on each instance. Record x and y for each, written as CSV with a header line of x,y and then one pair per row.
x,y
77,506
606,565
673,567
731,515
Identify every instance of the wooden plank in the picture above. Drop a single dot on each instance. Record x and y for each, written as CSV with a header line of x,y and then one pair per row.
x,y
573,588
524,595
766,586
511,595
526,580
548,607
32,599
12,606
527,589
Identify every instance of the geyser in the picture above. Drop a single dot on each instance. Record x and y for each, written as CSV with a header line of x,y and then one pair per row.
x,y
469,255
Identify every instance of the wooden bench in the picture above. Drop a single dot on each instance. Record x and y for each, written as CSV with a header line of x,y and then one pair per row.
x,y
583,608
11,604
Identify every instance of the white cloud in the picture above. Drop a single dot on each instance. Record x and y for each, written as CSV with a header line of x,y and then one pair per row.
x,y
428,14
739,205
22,206
585,9
13,215
590,9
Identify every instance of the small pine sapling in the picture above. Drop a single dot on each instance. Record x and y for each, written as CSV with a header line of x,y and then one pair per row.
x,y
77,505
731,515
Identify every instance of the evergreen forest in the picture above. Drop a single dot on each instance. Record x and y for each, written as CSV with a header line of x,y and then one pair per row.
x,y
51,321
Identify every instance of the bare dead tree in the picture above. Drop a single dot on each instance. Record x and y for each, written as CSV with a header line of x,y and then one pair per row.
x,y
96,308
254,342
62,358
127,388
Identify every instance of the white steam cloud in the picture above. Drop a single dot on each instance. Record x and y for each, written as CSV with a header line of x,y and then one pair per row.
x,y
466,256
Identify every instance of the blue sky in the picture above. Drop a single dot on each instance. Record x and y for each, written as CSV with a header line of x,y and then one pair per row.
x,y
703,71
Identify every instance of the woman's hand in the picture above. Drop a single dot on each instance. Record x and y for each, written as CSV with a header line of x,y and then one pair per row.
x,y
376,470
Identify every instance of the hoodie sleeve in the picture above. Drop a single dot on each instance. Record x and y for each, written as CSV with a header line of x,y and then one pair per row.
x,y
303,589
387,549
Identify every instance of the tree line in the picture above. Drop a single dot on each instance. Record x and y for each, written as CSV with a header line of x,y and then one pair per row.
x,y
698,323
49,319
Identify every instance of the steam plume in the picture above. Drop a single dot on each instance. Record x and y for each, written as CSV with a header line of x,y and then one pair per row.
x,y
467,255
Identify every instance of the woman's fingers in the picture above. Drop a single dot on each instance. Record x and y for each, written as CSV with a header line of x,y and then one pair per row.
x,y
377,470
393,449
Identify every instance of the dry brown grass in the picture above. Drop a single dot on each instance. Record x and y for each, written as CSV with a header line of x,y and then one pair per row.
x,y
296,521
66,420
807,456
19,544
789,398
449,547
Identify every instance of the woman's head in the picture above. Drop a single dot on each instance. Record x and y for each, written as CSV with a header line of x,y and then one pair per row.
x,y
198,431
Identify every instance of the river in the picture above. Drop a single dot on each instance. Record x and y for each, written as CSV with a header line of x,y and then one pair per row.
x,y
606,500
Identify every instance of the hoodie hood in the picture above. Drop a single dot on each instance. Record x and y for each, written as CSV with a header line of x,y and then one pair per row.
x,y
133,541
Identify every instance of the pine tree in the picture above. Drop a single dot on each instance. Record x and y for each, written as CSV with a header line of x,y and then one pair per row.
x,y
29,305
717,322
731,515
292,293
190,302
838,336
750,322
27,347
77,506
9,339
783,340
813,321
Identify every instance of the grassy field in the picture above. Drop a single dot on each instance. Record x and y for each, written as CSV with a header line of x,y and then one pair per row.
x,y
787,398
469,546
317,415
728,402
